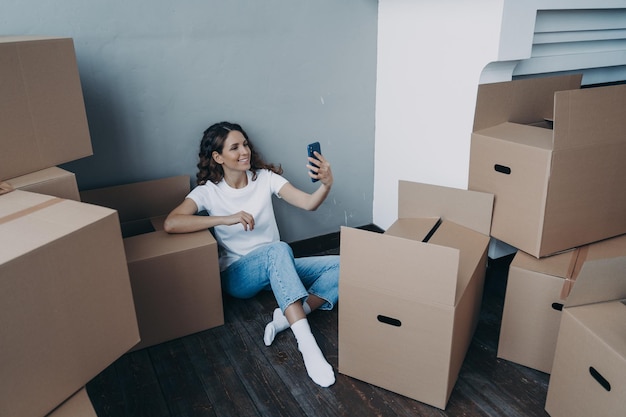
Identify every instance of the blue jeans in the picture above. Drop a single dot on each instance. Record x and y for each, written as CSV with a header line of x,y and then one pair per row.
x,y
273,267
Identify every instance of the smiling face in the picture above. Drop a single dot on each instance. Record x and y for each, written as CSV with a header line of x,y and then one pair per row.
x,y
235,154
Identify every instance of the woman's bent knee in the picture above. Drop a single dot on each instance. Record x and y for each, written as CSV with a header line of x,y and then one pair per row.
x,y
280,249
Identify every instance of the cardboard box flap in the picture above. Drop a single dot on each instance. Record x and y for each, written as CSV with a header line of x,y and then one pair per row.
x,y
158,223
607,248
421,271
524,135
25,38
141,200
20,201
589,117
599,280
160,243
52,181
606,322
142,226
523,101
560,265
471,209
35,219
44,175
414,229
471,245
568,265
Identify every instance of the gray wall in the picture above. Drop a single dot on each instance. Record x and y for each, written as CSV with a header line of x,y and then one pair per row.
x,y
156,73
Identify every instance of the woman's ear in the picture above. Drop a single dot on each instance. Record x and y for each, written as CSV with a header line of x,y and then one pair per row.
x,y
217,157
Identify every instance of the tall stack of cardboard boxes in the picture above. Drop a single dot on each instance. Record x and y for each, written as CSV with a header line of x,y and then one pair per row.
x,y
67,310
69,307
552,153
42,115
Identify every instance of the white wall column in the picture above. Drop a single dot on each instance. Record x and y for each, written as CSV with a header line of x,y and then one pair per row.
x,y
432,55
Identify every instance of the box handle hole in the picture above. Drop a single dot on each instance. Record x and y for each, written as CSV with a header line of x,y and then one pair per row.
x,y
389,320
502,169
601,380
557,306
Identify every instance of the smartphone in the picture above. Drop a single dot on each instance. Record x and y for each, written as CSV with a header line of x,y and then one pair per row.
x,y
311,148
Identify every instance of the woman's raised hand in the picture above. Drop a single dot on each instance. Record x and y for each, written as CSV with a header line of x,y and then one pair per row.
x,y
320,168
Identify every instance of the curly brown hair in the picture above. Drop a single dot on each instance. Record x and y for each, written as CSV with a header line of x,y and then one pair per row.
x,y
213,141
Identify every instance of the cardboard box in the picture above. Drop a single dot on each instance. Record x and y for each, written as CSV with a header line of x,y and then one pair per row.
x,y
555,188
66,308
410,298
53,181
175,277
42,114
78,405
589,371
535,294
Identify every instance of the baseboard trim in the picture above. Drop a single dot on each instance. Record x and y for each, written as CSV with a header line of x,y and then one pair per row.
x,y
324,243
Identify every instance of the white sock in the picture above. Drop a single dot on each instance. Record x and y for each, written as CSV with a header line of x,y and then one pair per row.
x,y
278,324
317,367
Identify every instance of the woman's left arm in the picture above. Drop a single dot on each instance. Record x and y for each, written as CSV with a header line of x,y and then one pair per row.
x,y
318,169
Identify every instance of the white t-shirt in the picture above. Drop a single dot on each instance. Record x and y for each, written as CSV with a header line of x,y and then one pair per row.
x,y
255,198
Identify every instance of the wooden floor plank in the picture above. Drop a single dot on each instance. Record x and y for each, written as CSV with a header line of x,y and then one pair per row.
x,y
219,378
106,394
181,387
142,385
139,384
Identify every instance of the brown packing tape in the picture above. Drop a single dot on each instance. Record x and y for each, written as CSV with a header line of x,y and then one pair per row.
x,y
5,187
565,289
574,269
30,210
583,253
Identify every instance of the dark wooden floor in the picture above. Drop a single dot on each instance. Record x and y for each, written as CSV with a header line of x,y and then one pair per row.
x,y
228,371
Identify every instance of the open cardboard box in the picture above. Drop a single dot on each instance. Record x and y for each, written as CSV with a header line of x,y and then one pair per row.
x,y
175,277
43,122
66,307
552,154
410,298
535,294
589,371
